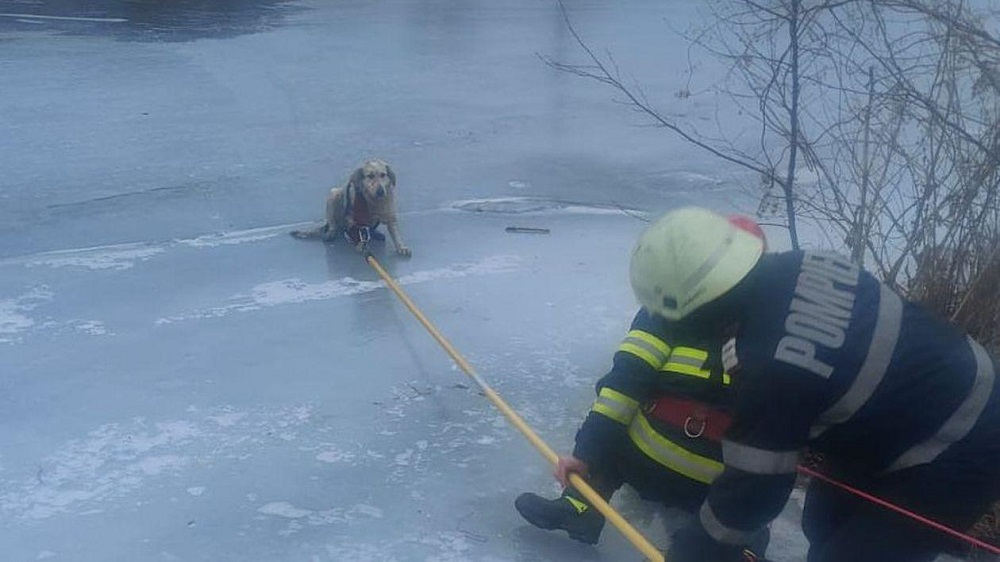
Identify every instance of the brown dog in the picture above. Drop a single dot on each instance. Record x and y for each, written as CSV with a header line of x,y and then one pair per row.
x,y
356,210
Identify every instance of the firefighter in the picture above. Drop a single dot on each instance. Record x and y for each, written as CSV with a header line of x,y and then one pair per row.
x,y
657,425
898,403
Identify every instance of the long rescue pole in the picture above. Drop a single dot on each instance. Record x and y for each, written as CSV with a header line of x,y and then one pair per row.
x,y
633,536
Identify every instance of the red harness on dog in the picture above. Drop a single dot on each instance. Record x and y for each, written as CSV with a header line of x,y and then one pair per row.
x,y
359,211
697,419
361,218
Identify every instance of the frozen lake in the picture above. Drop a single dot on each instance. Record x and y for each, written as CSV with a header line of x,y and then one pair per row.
x,y
181,380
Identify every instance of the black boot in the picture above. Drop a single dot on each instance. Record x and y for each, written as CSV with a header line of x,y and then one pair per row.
x,y
566,513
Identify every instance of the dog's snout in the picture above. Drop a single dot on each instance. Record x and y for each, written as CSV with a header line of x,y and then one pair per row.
x,y
380,192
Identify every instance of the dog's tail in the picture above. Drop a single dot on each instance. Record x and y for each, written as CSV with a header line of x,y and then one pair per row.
x,y
318,232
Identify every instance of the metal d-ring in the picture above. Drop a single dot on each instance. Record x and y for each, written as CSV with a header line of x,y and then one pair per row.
x,y
694,434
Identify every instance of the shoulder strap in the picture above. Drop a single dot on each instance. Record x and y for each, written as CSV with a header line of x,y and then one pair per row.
x,y
349,195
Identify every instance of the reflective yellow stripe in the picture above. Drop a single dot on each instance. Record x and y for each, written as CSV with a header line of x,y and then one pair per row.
x,y
682,369
579,505
647,347
726,379
652,340
672,455
615,405
687,361
689,354
641,353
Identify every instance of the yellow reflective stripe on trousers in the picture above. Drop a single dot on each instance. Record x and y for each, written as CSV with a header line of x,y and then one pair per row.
x,y
615,405
647,347
670,454
687,361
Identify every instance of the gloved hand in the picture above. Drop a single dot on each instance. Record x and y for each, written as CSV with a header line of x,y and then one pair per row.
x,y
692,544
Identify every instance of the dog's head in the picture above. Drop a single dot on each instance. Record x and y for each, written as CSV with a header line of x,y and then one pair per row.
x,y
374,179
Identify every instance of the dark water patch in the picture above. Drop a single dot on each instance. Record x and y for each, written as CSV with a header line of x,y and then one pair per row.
x,y
523,205
146,20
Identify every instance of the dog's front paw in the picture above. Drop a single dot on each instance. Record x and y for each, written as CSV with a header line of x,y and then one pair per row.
x,y
404,252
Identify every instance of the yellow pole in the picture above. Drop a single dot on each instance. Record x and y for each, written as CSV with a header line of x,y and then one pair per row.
x,y
633,536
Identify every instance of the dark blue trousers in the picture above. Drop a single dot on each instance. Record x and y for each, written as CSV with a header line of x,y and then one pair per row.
x,y
955,490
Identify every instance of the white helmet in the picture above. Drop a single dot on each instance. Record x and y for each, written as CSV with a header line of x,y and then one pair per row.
x,y
690,257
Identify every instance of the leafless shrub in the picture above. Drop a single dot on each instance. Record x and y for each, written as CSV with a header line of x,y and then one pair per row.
x,y
880,121
987,529
963,284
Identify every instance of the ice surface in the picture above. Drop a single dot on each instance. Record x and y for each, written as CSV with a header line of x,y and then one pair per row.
x,y
181,380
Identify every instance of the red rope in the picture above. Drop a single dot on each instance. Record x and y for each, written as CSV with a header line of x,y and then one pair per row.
x,y
944,529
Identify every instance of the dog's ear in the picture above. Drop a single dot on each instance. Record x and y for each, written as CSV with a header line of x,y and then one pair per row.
x,y
392,175
357,179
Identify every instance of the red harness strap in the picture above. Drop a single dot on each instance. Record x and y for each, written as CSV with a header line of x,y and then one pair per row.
x,y
359,211
361,218
697,419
